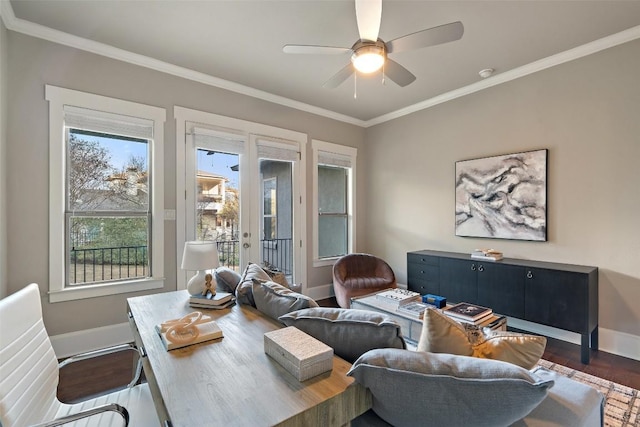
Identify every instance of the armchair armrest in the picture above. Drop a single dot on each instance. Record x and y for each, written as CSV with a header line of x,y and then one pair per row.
x,y
106,351
114,407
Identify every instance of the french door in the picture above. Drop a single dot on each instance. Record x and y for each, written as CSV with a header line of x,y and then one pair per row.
x,y
243,191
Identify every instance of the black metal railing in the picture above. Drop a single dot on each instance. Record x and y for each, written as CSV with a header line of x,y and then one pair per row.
x,y
103,264
130,262
276,252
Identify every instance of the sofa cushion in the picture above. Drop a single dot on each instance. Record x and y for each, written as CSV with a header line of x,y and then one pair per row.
x,y
349,332
276,275
274,300
568,404
441,334
418,388
244,291
227,280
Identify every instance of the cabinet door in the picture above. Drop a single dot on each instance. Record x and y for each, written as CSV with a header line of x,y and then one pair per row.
x,y
556,298
501,288
458,280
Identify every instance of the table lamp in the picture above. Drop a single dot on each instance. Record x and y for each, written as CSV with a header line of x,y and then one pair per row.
x,y
199,256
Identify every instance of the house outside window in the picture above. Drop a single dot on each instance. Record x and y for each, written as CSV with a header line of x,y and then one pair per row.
x,y
334,201
106,203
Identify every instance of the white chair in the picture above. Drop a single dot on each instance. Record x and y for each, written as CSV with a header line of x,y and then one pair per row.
x,y
29,376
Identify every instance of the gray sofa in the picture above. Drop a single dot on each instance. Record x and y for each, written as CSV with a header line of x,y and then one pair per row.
x,y
428,389
417,388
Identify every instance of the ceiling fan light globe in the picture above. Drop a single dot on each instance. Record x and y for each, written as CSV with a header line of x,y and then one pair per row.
x,y
368,59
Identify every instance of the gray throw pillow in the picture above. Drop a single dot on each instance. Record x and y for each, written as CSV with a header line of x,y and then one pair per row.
x,y
435,389
226,279
274,300
244,291
349,332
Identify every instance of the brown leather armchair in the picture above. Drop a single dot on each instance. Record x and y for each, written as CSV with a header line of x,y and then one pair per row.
x,y
360,274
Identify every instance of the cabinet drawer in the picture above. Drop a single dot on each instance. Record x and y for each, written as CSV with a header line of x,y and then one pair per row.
x,y
423,272
423,287
413,258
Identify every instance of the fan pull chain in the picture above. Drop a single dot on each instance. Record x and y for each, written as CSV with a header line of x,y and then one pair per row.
x,y
355,85
383,74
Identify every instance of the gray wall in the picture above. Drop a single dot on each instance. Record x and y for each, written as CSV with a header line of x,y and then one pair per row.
x,y
585,112
3,160
34,63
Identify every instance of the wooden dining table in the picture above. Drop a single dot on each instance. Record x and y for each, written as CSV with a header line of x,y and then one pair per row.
x,y
231,381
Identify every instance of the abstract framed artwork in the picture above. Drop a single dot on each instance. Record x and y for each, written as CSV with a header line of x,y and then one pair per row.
x,y
503,197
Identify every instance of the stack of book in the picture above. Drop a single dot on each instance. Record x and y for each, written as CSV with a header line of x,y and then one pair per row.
x,y
470,313
487,254
394,298
218,300
414,309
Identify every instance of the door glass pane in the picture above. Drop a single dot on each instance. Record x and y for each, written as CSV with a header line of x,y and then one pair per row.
x,y
218,203
277,214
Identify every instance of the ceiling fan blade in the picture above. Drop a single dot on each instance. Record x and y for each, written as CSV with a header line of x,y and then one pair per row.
x,y
339,77
429,37
369,15
398,73
315,50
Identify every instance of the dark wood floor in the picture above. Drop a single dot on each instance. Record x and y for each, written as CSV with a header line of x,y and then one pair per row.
x,y
82,379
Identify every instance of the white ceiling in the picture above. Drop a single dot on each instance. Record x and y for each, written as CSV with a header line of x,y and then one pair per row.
x,y
239,43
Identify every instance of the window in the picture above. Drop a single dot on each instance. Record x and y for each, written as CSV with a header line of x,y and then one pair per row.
x,y
334,208
106,195
269,210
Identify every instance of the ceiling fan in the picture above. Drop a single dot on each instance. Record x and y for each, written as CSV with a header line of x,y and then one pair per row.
x,y
369,54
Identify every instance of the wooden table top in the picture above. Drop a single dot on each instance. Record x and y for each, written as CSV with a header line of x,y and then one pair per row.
x,y
231,381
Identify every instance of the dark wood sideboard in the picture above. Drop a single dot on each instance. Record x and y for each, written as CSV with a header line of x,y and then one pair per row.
x,y
564,296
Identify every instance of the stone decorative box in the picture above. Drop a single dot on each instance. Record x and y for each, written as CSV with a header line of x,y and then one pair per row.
x,y
299,353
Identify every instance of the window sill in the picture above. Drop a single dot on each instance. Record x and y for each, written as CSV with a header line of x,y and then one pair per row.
x,y
325,261
113,288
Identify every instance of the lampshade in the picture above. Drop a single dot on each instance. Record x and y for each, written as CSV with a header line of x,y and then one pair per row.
x,y
200,255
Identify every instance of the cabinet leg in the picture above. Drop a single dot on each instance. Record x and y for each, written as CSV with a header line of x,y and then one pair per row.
x,y
594,338
584,349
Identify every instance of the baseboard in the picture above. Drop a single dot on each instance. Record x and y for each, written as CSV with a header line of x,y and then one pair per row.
x,y
65,345
321,292
619,343
610,341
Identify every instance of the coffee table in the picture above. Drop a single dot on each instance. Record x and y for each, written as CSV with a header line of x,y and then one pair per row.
x,y
411,327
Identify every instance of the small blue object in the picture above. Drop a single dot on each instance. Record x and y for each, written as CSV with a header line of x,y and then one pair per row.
x,y
436,300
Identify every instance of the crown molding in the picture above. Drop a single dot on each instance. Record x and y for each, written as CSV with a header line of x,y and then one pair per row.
x,y
39,31
533,67
35,30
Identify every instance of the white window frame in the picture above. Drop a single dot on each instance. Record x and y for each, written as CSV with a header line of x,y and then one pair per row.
x,y
58,98
351,153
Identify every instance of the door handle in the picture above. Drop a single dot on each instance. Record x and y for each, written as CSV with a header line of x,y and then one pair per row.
x,y
246,245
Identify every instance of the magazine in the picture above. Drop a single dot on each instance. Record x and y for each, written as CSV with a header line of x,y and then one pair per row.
x,y
397,296
467,311
414,309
